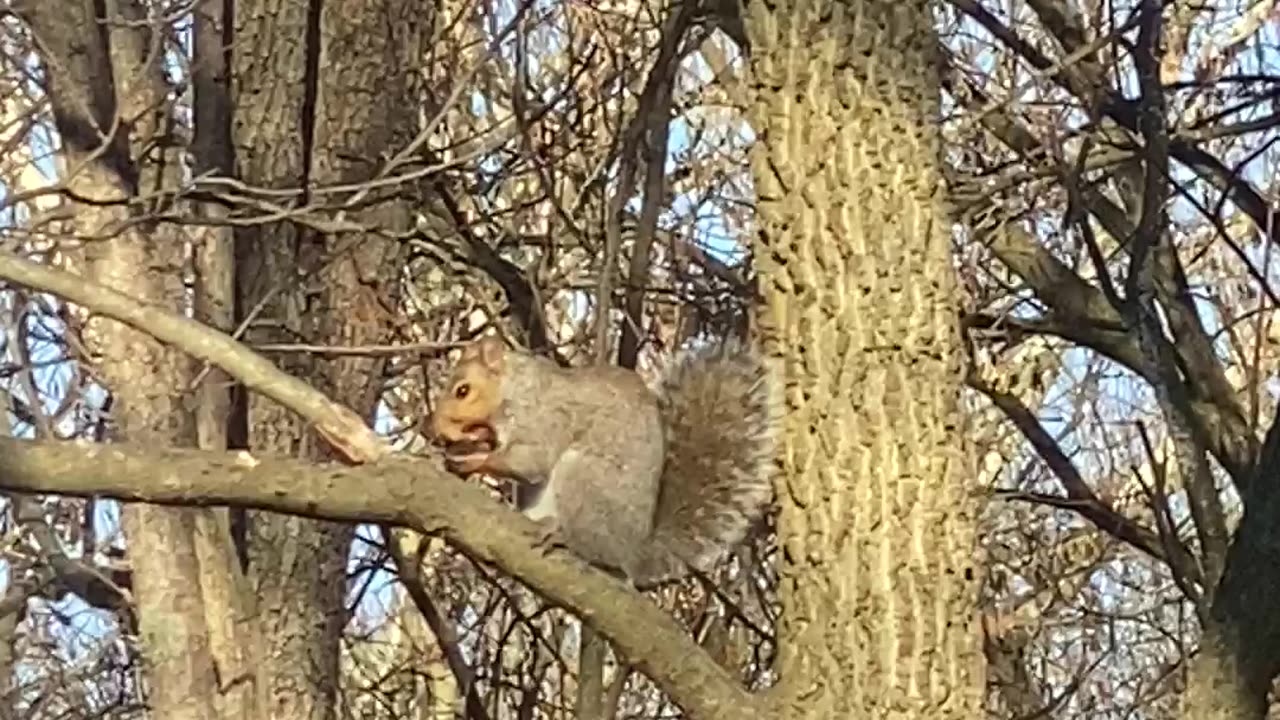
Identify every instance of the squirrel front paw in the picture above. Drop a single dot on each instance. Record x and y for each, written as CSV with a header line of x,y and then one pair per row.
x,y
466,464
466,456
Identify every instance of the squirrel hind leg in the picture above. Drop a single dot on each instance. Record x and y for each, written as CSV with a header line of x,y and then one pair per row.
x,y
552,535
604,508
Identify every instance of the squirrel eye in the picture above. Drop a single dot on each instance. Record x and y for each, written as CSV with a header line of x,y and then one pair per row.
x,y
462,391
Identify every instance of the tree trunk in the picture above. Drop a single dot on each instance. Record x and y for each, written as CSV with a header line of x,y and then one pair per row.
x,y
878,570
321,112
107,86
229,602
1231,676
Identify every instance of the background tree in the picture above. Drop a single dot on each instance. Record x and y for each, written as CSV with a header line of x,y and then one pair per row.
x,y
1114,209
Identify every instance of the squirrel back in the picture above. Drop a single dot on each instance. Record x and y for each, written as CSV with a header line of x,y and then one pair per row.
x,y
649,483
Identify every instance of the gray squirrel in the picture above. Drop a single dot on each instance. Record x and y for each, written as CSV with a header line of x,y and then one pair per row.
x,y
649,485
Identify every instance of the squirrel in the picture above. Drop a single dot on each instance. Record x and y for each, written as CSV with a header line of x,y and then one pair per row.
x,y
645,484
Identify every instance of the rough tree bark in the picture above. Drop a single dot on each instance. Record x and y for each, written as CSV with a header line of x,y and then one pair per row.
x,y
106,82
314,104
1231,676
229,604
878,573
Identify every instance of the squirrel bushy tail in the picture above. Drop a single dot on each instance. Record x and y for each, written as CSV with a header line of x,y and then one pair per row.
x,y
721,422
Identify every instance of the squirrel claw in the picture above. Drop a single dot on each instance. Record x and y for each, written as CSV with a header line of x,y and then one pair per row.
x,y
548,536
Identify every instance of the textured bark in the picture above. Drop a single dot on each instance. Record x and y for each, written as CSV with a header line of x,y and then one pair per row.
x,y
877,574
105,76
291,128
12,611
229,602
295,565
1239,654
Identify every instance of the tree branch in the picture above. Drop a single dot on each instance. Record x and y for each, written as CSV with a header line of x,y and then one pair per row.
x,y
339,425
1218,418
399,491
650,130
409,568
1081,314
1081,80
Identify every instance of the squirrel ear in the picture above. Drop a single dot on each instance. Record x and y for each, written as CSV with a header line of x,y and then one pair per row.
x,y
489,350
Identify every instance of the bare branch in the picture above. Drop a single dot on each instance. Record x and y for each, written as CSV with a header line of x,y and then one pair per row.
x,y
338,424
1079,496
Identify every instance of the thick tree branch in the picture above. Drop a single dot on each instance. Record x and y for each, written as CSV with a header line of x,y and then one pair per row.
x,y
339,425
1082,315
1149,238
399,491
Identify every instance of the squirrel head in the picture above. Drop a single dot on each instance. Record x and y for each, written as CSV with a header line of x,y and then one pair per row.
x,y
472,396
